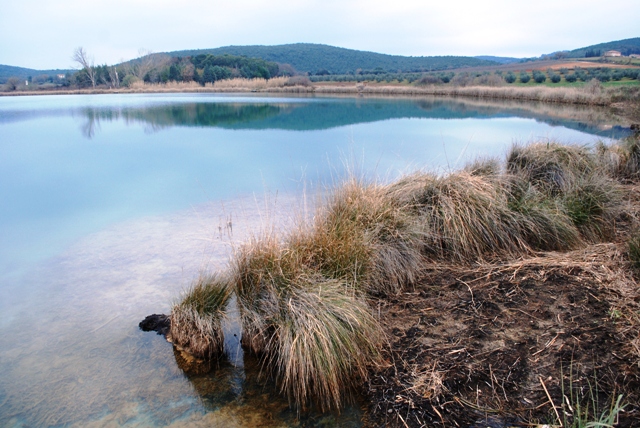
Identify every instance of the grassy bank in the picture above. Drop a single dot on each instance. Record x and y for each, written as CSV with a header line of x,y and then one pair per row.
x,y
592,93
307,298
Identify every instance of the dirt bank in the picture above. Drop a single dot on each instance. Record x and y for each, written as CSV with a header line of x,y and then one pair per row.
x,y
501,344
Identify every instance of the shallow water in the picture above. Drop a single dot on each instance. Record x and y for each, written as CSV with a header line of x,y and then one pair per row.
x,y
112,205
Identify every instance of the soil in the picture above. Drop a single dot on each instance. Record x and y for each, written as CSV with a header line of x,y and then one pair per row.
x,y
498,345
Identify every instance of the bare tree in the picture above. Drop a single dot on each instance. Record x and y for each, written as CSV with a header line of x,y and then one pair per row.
x,y
113,75
144,63
81,57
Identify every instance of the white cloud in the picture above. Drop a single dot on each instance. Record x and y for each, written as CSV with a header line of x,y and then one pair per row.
x,y
43,33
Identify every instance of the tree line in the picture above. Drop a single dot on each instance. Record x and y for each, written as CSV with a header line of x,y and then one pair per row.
x,y
465,78
161,68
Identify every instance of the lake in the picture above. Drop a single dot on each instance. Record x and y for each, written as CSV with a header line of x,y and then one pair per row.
x,y
113,204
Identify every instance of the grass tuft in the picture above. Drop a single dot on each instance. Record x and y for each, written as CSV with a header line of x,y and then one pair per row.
x,y
462,217
196,319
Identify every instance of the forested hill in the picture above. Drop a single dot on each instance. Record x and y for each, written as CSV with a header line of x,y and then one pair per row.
x,y
315,58
7,71
626,47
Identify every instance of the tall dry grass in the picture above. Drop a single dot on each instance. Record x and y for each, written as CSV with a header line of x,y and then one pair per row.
x,y
302,296
575,179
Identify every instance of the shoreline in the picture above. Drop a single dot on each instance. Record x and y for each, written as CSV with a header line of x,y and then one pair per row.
x,y
624,100
538,93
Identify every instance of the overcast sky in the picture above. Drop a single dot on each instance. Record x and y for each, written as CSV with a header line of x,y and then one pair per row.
x,y
42,34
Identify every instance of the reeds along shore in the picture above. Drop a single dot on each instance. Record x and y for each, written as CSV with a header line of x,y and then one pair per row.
x,y
593,93
303,297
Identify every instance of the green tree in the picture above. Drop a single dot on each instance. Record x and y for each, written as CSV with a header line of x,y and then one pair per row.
x,y
209,75
510,77
174,73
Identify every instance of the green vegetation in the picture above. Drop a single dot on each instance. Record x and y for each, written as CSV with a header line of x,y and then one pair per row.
x,y
626,47
303,297
313,58
31,75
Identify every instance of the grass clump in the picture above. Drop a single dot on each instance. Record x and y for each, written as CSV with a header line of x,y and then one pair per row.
x,y
323,340
462,217
622,159
315,334
574,180
196,319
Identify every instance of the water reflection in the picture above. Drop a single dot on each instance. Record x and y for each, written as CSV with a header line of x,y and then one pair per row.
x,y
325,114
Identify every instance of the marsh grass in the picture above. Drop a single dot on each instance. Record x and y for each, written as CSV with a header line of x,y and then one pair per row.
x,y
302,295
196,319
314,333
622,159
581,407
575,180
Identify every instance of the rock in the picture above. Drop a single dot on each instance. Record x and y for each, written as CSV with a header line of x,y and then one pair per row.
x,y
159,323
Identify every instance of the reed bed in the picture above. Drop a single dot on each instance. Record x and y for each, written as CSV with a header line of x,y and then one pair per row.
x,y
581,96
303,296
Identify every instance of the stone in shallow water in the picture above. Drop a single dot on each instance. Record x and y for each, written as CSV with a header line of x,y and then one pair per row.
x,y
159,323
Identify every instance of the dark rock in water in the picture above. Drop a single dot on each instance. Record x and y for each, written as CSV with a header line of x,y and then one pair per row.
x,y
159,323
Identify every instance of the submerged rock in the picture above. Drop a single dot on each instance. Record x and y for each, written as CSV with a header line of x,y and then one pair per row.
x,y
159,323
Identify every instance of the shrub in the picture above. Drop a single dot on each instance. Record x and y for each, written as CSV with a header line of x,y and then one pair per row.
x,y
594,87
555,78
582,75
129,80
632,73
429,79
539,77
510,77
617,75
489,80
298,81
461,79
571,78
525,77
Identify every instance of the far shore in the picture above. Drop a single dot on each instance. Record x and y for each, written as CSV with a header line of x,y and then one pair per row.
x,y
625,99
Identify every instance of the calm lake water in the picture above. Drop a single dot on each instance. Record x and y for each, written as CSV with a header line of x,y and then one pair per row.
x,y
113,204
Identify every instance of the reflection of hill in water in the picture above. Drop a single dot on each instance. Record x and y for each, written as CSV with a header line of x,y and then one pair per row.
x,y
317,114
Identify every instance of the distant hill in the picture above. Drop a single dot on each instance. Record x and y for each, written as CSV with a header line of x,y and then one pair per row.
x,y
7,71
499,59
626,47
314,58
